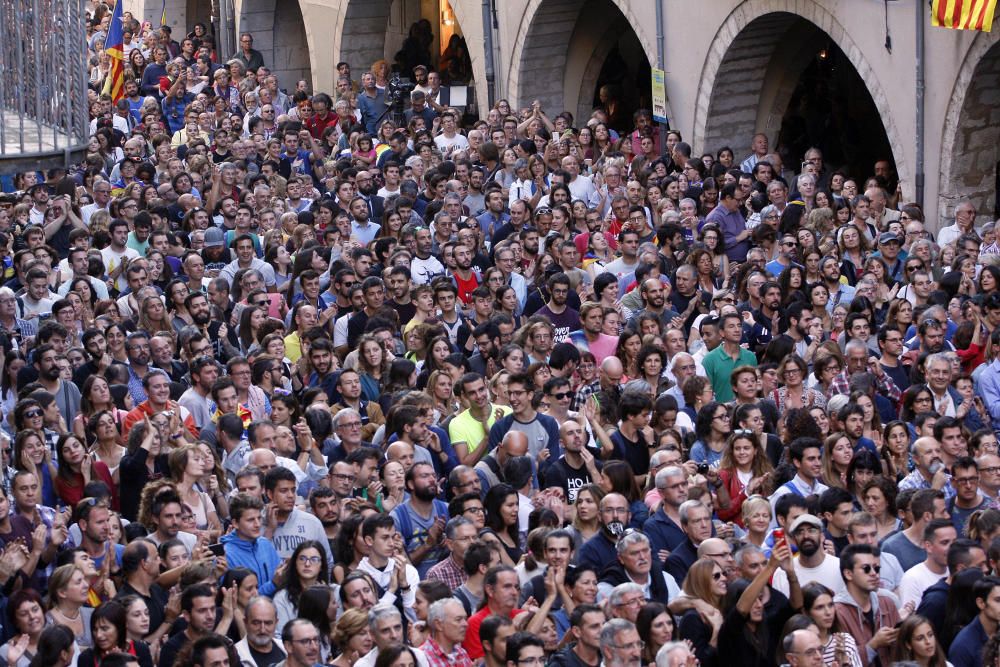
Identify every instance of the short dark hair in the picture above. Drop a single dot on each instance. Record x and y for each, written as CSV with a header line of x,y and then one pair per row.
x,y
850,553
242,502
519,640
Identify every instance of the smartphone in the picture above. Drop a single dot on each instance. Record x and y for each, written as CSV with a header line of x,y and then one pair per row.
x,y
217,549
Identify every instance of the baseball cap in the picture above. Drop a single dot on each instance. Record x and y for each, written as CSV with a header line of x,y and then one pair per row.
x,y
803,520
423,67
888,237
214,237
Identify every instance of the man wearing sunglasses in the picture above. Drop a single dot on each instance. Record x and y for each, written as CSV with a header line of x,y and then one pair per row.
x,y
863,612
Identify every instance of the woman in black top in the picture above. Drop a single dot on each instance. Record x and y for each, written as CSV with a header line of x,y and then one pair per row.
x,y
107,627
748,636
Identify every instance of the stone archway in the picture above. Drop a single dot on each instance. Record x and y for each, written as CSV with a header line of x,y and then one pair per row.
x,y
280,35
969,151
746,83
559,47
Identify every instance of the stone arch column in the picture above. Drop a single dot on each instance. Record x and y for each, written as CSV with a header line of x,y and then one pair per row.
x,y
539,57
279,34
969,150
745,44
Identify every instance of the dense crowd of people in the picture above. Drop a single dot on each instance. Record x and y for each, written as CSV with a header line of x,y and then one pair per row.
x,y
287,382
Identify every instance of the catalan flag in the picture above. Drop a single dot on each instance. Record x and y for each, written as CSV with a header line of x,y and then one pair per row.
x,y
963,14
114,46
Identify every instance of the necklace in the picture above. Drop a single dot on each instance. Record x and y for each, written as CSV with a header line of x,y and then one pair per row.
x,y
67,617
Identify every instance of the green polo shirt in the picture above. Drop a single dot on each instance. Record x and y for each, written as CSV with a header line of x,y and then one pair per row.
x,y
719,367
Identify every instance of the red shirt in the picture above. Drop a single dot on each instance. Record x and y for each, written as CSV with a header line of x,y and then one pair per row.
x,y
317,125
465,287
72,492
472,645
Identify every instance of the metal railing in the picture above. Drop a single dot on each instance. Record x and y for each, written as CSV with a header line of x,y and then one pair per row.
x,y
43,82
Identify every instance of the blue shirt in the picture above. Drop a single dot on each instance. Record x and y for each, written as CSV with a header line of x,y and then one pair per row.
x,y
967,649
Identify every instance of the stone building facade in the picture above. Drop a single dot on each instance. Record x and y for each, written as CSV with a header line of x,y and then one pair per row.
x,y
732,66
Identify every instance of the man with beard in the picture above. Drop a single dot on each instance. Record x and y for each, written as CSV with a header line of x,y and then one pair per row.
x,y
767,318
590,336
599,551
401,301
654,300
686,298
213,330
421,519
368,190
800,318
67,395
197,399
487,339
813,563
258,646
620,644
466,278
424,266
556,310
839,292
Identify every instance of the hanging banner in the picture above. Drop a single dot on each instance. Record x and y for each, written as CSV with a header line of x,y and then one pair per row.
x,y
659,96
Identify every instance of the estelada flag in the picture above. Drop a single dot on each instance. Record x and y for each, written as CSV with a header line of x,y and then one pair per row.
x,y
963,14
114,46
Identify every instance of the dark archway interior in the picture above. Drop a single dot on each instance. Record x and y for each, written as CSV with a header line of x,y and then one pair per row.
x,y
831,108
627,74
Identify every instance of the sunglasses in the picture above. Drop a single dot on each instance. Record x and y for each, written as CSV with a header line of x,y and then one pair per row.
x,y
716,576
560,396
31,414
867,568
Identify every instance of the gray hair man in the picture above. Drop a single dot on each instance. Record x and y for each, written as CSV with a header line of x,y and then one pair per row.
x,y
637,566
620,644
675,654
624,601
447,622
261,622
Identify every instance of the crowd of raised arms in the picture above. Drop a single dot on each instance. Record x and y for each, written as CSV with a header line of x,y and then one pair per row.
x,y
287,383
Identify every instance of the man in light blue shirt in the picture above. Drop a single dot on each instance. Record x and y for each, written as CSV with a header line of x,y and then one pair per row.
x,y
361,227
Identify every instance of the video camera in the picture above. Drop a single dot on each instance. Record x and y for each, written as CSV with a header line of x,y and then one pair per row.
x,y
397,91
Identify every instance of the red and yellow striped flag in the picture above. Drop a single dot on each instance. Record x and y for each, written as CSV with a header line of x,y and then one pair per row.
x,y
114,46
963,14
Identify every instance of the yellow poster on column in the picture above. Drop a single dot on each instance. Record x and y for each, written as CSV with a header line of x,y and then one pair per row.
x,y
659,96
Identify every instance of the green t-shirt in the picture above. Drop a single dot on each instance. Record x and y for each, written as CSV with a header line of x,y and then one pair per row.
x,y
466,428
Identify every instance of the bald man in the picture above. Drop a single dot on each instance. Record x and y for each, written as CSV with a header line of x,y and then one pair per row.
x,y
577,467
720,552
490,467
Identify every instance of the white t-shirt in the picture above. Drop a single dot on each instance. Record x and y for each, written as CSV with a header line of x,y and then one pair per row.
x,y
915,581
828,574
445,145
113,259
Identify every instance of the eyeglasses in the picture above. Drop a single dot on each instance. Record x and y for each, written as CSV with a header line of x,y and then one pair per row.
x,y
867,568
343,477
349,425
716,575
560,396
990,471
966,480
474,510
724,417
32,414
629,603
306,641
310,560
814,652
